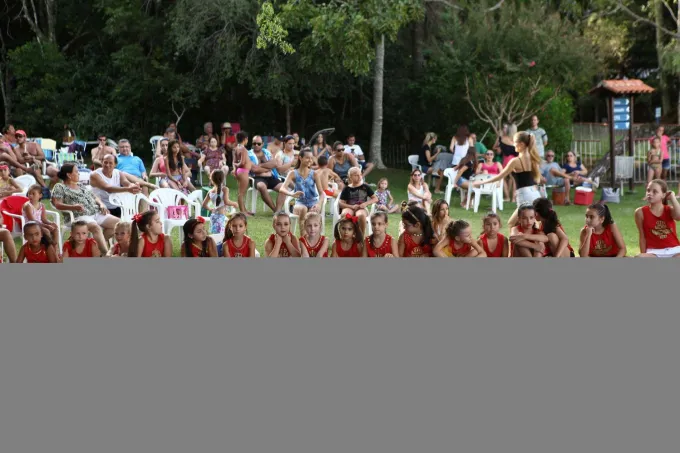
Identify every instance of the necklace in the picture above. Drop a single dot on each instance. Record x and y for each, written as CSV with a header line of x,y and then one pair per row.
x,y
417,235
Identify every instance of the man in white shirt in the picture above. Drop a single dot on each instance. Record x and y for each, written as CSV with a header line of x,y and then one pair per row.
x,y
540,135
354,149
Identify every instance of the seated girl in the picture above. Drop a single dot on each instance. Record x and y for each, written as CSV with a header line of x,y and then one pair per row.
x,y
314,244
558,242
282,244
122,233
154,244
440,219
418,190
34,211
600,237
656,222
349,240
158,169
459,242
236,242
79,245
495,245
380,244
385,200
356,197
197,243
309,193
38,247
417,239
526,238
179,174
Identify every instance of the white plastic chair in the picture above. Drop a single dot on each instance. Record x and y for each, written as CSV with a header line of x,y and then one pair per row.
x,y
162,198
253,193
485,189
413,160
128,203
451,174
294,218
25,181
154,144
327,201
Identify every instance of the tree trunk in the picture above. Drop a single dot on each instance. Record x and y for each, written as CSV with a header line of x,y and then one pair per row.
x,y
418,44
665,92
376,132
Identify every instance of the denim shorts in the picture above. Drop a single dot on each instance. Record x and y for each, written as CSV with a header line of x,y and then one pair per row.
x,y
666,164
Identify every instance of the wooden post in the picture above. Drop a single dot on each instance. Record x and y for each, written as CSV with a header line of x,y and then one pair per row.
x,y
631,143
612,141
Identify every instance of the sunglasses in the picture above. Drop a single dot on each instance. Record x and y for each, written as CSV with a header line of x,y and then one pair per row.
x,y
417,174
257,144
19,136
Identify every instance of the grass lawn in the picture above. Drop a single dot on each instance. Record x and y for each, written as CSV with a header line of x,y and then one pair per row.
x,y
571,217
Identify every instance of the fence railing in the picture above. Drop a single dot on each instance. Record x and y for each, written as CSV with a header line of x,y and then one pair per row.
x,y
641,148
396,155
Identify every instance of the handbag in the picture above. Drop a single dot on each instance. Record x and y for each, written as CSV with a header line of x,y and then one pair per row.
x,y
178,212
611,195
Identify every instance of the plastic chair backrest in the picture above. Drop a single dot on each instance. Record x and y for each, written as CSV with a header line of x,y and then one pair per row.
x,y
25,181
12,205
127,203
624,166
413,160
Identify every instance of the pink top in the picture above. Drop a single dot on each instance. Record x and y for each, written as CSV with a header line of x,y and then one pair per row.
x,y
491,169
37,213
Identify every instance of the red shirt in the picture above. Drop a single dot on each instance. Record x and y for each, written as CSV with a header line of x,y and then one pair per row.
x,y
314,251
36,257
86,253
659,231
603,245
353,252
498,251
197,252
461,252
152,250
413,250
238,252
283,251
379,252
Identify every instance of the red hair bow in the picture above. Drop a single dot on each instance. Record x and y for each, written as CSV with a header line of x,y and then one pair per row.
x,y
351,217
200,219
4,167
137,217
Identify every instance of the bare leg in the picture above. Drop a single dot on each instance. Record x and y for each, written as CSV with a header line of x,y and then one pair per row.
x,y
369,168
280,199
264,192
301,212
243,182
553,243
523,252
438,187
98,236
8,244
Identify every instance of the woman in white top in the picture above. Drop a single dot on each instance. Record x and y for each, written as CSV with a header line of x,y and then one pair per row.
x,y
418,190
460,144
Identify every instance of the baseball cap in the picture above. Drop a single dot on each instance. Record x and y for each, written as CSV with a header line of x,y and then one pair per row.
x,y
20,132
226,125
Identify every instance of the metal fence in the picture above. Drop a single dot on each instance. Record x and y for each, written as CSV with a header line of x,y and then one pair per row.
x,y
641,148
590,151
396,155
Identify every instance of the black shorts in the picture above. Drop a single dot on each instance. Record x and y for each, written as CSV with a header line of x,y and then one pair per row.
x,y
115,212
270,181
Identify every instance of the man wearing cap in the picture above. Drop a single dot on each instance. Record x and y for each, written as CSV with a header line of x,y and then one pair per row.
x,y
277,145
101,151
228,141
31,157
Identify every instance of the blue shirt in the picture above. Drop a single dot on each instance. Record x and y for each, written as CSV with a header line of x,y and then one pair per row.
x,y
132,165
256,161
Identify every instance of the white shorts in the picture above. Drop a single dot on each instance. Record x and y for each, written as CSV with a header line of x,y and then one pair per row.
x,y
527,195
665,253
98,218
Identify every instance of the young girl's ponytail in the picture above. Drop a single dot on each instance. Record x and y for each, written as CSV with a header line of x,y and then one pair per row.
x,y
549,220
602,211
140,222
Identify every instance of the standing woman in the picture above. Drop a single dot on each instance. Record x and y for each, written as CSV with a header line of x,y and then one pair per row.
x,y
508,152
525,169
460,144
